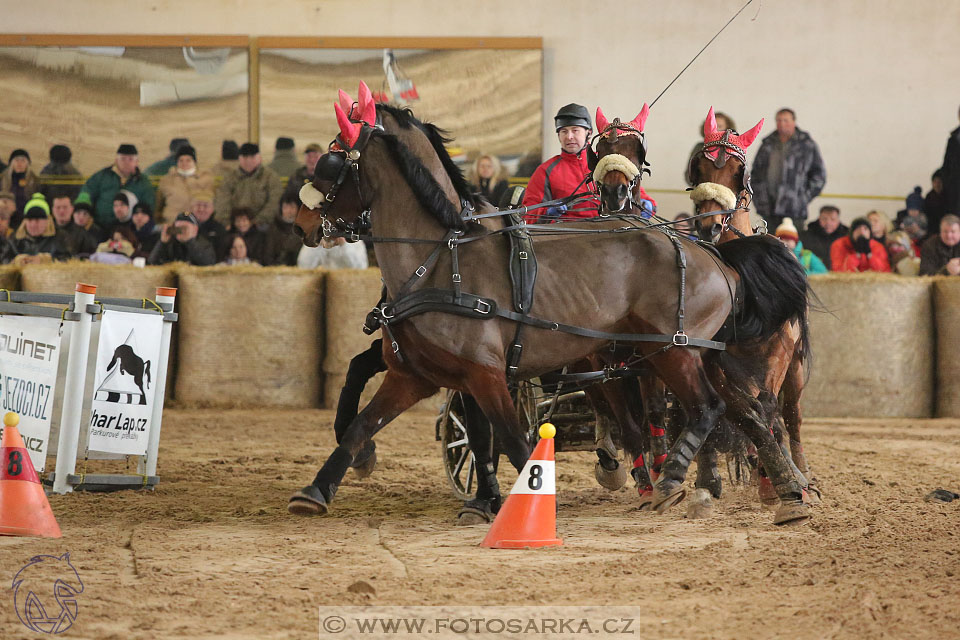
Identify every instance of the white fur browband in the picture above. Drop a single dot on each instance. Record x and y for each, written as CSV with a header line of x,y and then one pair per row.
x,y
615,162
310,197
722,195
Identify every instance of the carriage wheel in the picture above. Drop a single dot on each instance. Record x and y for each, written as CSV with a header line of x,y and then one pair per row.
x,y
525,400
458,461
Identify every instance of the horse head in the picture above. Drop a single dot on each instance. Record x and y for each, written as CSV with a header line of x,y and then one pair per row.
x,y
619,160
720,180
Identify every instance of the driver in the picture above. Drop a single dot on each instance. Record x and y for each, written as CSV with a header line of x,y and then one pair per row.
x,y
566,173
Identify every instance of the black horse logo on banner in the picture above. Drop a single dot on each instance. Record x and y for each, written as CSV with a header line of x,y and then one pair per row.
x,y
131,364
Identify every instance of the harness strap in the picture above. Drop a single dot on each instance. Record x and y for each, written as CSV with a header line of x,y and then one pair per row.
x,y
426,265
547,192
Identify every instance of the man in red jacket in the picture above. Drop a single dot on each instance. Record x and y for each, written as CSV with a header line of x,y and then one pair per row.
x,y
564,174
858,251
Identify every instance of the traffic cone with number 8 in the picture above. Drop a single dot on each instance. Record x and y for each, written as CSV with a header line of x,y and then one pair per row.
x,y
529,516
24,510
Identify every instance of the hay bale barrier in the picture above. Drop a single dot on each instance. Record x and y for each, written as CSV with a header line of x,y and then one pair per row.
x,y
9,278
873,350
250,337
113,281
946,303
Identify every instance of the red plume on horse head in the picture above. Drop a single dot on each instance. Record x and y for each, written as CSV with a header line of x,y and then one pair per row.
x,y
349,131
346,102
743,140
602,122
641,118
366,104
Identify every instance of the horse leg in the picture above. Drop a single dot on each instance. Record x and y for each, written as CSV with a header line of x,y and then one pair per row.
x,y
486,504
683,371
655,413
708,483
362,367
611,398
399,392
790,394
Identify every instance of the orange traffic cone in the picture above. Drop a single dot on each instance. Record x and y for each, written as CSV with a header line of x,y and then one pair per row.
x,y
24,510
529,516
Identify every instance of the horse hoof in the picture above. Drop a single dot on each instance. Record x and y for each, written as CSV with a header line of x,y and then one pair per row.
x,y
667,496
475,512
792,513
767,494
612,480
309,501
701,505
811,496
365,468
646,499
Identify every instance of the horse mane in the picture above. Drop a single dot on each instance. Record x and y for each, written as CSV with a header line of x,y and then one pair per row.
x,y
438,139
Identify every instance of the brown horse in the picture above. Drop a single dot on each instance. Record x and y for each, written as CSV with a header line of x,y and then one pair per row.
x,y
721,183
396,169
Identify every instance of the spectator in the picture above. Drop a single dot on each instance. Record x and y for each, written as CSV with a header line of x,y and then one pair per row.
x,y
83,217
788,173
335,253
305,173
74,239
106,183
179,242
858,251
724,122
282,246
284,161
788,235
176,189
123,204
252,186
8,204
486,176
940,254
238,253
880,226
229,155
951,173
147,233
241,224
60,169
903,258
162,167
684,225
823,232
212,230
36,240
119,249
19,180
913,213
934,205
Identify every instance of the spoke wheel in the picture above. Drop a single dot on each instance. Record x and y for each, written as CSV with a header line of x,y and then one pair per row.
x,y
458,462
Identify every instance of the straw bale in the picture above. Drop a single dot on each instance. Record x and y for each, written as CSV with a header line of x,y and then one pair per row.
x,y
9,277
350,295
250,336
873,354
113,281
946,297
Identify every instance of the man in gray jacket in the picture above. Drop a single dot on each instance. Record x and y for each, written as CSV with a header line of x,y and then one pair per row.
x,y
788,173
252,186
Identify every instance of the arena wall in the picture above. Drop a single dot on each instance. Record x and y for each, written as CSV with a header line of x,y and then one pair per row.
x,y
868,81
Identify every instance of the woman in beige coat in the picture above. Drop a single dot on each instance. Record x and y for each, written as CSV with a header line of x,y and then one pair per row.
x,y
183,181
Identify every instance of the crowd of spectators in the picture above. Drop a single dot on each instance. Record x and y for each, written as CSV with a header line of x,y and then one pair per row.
x,y
236,212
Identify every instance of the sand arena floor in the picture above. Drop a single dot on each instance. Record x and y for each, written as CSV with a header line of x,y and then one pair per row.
x,y
213,553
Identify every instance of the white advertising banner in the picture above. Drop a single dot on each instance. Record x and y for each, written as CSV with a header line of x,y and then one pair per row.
x,y
123,390
29,355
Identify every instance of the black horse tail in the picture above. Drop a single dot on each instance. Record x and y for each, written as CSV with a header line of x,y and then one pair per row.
x,y
774,286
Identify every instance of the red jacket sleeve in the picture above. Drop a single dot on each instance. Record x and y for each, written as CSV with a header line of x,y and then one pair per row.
x,y
879,260
839,255
534,194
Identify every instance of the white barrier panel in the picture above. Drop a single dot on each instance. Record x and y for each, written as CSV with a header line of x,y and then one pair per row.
x,y
29,355
125,383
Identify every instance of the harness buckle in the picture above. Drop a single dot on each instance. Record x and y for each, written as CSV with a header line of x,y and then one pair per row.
x,y
421,271
456,277
523,255
395,346
383,313
482,307
680,339
554,326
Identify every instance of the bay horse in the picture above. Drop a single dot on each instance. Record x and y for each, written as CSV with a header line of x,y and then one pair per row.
x,y
720,179
395,172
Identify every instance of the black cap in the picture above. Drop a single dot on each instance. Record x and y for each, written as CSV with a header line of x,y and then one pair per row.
x,y
859,222
189,217
60,154
17,153
249,149
176,143
284,143
126,149
573,115
34,213
229,150
187,150
83,205
143,207
121,197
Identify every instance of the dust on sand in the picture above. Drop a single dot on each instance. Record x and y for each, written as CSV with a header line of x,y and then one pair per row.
x,y
213,552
